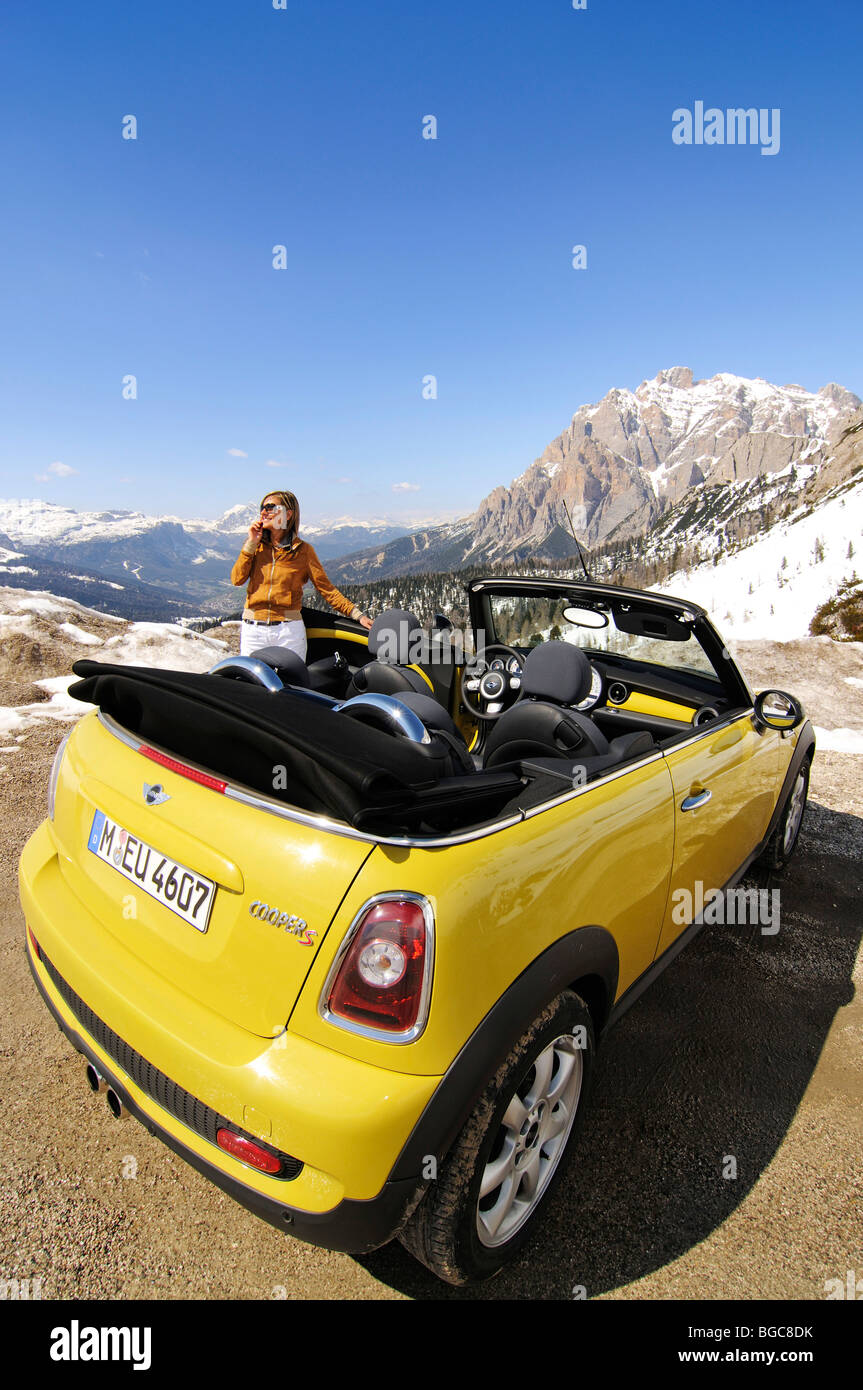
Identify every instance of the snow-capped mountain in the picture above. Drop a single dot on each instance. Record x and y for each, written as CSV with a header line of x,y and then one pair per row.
x,y
185,558
762,555
676,464
621,463
682,432
329,537
132,599
771,587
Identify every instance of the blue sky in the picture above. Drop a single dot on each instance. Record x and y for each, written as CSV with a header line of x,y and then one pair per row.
x,y
405,256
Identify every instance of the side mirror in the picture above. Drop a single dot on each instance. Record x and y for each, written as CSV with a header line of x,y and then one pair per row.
x,y
775,709
441,623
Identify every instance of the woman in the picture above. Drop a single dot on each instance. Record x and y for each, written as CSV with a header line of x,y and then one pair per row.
x,y
277,564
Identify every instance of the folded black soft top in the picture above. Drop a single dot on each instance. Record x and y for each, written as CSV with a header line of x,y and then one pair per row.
x,y
332,764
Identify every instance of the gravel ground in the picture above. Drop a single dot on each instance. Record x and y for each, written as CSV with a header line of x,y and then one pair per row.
x,y
747,1048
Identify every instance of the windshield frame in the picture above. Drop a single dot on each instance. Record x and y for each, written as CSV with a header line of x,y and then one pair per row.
x,y
593,594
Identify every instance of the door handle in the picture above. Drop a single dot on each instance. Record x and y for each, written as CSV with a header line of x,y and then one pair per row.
x,y
690,803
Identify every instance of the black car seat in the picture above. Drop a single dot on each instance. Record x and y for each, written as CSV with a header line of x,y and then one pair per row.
x,y
290,667
544,729
392,643
439,721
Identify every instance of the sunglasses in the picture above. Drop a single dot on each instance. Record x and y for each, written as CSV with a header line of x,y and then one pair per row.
x,y
273,507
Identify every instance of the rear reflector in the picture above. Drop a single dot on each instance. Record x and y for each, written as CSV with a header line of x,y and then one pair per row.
x,y
192,773
248,1151
34,943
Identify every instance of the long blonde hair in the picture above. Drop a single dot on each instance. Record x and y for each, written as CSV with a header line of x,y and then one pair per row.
x,y
289,501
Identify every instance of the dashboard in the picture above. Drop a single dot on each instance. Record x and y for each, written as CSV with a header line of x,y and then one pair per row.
x,y
633,693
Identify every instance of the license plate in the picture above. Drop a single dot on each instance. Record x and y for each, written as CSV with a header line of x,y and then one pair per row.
x,y
181,890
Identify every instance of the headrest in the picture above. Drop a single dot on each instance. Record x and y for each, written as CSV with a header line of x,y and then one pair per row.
x,y
432,714
291,668
390,637
439,721
557,671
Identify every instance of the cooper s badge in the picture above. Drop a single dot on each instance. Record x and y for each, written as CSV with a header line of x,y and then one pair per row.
x,y
286,921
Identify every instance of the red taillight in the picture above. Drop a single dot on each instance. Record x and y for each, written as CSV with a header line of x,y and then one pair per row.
x,y
383,981
248,1151
34,943
191,772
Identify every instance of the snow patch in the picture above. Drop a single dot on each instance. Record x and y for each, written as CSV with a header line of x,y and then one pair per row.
x,y
772,587
79,635
93,579
16,601
164,644
15,622
60,706
839,740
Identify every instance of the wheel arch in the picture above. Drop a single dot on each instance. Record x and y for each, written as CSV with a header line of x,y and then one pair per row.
x,y
804,751
585,960
594,991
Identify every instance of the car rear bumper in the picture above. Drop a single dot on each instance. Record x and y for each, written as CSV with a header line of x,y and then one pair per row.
x,y
345,1122
352,1226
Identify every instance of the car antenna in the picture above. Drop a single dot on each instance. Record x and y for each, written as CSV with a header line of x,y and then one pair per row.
x,y
587,573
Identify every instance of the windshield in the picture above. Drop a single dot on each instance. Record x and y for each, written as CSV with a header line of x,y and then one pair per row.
x,y
527,620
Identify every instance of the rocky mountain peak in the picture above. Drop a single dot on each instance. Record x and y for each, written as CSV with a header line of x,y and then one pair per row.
x,y
626,460
672,376
845,400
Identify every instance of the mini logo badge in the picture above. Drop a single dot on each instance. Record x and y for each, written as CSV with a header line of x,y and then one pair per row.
x,y
154,795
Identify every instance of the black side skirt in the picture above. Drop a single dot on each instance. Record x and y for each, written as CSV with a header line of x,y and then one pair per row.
x,y
805,742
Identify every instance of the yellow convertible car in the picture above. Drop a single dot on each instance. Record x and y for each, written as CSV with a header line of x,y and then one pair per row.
x,y
346,934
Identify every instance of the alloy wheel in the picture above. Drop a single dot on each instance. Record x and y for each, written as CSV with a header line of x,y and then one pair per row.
x,y
795,813
533,1133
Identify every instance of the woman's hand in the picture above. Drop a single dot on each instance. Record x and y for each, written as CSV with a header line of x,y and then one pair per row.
x,y
255,530
365,620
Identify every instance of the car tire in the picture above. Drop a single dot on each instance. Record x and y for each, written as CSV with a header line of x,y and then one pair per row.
x,y
784,839
468,1225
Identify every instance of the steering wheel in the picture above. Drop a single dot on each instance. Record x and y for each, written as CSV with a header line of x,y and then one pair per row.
x,y
488,694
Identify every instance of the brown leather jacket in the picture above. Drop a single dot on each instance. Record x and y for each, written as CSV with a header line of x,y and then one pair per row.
x,y
276,577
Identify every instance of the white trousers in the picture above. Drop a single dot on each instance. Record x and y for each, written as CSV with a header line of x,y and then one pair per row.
x,y
291,635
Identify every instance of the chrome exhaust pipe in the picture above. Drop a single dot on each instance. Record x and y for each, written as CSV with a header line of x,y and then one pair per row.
x,y
115,1104
95,1080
